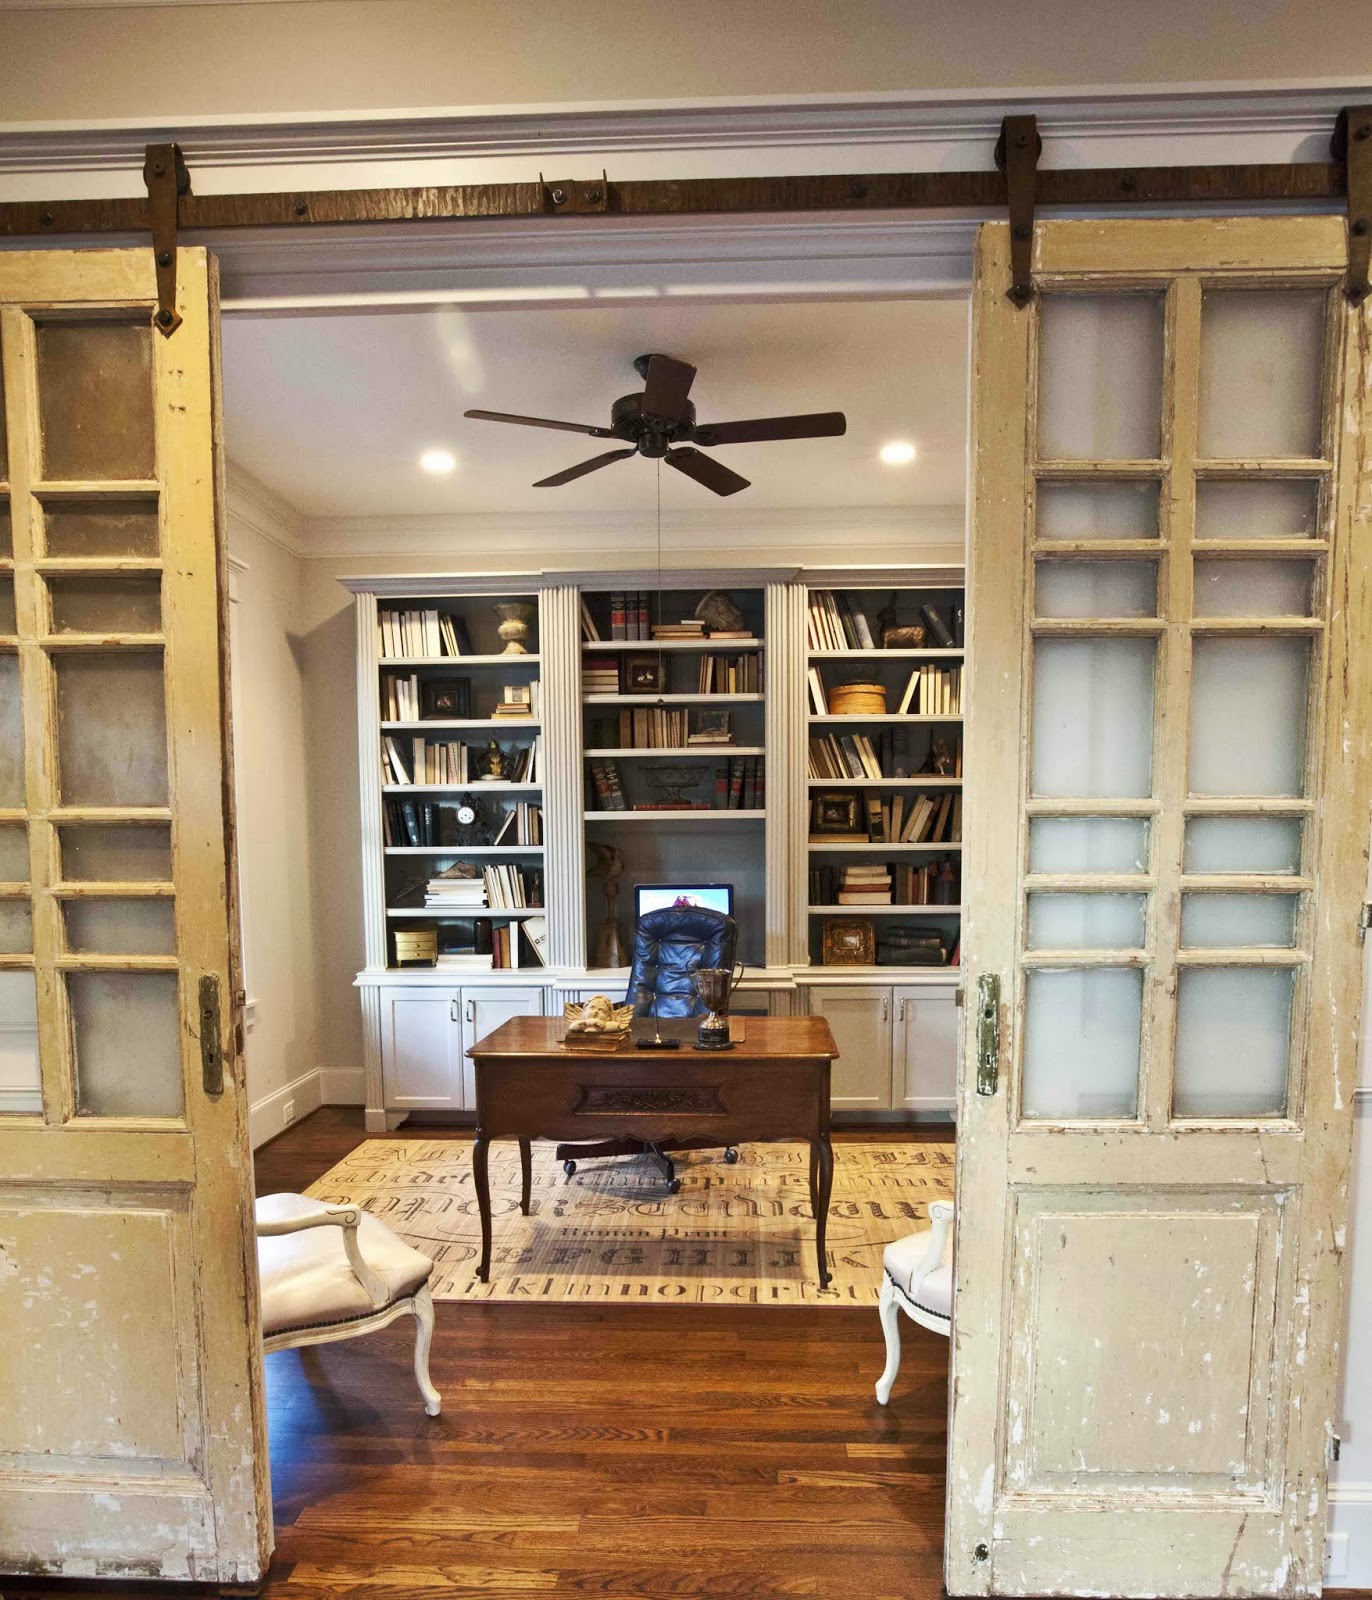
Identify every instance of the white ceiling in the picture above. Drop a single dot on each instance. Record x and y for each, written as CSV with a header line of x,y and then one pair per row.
x,y
332,411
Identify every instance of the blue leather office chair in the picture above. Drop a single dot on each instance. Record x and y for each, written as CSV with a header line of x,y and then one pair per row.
x,y
668,944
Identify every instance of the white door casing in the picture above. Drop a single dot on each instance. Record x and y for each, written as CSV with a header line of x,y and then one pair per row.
x,y
1168,806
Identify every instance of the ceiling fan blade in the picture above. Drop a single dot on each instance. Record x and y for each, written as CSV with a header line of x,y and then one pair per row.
x,y
705,469
666,387
540,422
582,468
816,425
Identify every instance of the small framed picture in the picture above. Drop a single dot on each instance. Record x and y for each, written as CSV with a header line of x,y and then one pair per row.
x,y
712,727
834,812
643,674
448,699
849,942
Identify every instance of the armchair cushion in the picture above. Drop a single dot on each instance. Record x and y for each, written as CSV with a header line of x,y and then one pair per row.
x,y
306,1279
932,1291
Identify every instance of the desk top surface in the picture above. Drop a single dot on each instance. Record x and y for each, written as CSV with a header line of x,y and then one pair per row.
x,y
795,1038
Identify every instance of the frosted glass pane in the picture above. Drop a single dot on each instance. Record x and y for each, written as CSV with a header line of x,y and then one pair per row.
x,y
106,854
1093,718
14,853
16,928
1253,588
20,1090
1096,588
1088,844
1242,844
1248,716
127,1034
95,528
1086,921
1277,508
1233,1041
1081,1042
95,399
106,605
1231,921
1262,368
6,530
1120,510
121,927
11,734
1100,377
7,621
111,729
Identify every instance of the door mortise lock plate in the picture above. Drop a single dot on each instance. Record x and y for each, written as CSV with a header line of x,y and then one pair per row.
x,y
988,1032
211,1041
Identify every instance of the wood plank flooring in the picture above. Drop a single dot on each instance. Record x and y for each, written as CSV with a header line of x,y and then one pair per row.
x,y
647,1452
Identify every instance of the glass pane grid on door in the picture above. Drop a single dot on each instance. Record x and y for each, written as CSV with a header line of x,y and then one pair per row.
x,y
88,769
1173,642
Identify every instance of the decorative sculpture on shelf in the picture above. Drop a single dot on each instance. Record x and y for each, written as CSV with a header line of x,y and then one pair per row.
x,y
494,761
892,634
939,761
516,618
609,865
719,613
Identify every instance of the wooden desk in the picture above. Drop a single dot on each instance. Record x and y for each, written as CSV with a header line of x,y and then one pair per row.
x,y
774,1084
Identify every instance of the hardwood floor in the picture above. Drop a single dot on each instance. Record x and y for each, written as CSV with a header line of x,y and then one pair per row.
x,y
619,1452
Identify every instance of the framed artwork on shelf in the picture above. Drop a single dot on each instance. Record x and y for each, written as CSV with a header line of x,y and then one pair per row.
x,y
446,699
849,942
643,674
834,815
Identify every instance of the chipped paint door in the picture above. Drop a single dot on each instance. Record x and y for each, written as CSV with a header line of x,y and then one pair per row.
x,y
1168,816
131,1425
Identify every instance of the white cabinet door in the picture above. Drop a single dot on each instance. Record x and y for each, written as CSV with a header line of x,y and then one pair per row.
x,y
926,1050
860,1018
483,1010
421,1049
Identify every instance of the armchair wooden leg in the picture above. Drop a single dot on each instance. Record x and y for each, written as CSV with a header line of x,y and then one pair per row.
x,y
890,1326
423,1309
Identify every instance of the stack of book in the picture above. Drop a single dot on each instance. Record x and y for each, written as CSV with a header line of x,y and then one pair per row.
x,y
933,692
928,819
432,634
687,628
652,728
833,622
512,888
844,755
864,886
740,784
466,960
607,788
431,761
399,697
629,614
599,677
518,701
736,674
523,824
933,884
526,764
456,889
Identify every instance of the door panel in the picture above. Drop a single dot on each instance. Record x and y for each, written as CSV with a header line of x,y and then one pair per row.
x,y
1168,820
422,1049
125,1201
926,1051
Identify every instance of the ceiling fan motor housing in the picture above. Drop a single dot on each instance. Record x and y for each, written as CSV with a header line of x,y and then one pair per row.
x,y
628,420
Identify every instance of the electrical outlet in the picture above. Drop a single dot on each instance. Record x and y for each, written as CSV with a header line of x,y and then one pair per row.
x,y
1335,1556
288,1113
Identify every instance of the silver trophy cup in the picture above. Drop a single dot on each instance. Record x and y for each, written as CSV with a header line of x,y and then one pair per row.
x,y
713,986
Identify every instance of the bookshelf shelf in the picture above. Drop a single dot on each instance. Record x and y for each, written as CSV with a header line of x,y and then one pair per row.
x,y
476,786
664,752
454,663
721,647
697,814
884,911
887,655
880,847
670,699
462,913
485,724
925,781
464,850
911,718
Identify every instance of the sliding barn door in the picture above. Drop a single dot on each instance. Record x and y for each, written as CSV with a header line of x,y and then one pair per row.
x,y
131,1434
1168,824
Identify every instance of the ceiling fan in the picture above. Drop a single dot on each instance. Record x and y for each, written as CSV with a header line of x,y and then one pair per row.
x,y
662,416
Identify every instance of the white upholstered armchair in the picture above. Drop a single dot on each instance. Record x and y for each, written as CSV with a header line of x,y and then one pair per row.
x,y
334,1272
918,1280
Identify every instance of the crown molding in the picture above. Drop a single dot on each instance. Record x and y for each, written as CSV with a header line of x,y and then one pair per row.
x,y
248,502
552,540
1288,112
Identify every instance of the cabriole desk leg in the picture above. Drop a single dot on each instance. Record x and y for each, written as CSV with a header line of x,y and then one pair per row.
x,y
483,1202
824,1152
526,1176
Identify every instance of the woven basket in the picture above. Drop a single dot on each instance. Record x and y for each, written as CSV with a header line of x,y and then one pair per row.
x,y
857,699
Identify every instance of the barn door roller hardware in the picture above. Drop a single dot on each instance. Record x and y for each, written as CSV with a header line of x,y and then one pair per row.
x,y
1352,145
165,173
1017,155
575,196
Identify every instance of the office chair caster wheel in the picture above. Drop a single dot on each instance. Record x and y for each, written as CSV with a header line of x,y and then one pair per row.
x,y
569,1167
674,1186
731,1155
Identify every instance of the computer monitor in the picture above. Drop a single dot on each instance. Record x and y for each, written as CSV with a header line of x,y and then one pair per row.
x,y
661,896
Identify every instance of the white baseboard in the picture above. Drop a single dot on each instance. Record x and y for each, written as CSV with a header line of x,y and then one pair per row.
x,y
267,1117
1349,1550
343,1086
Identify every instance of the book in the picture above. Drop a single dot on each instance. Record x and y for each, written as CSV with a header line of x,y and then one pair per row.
x,y
617,621
536,936
818,703
937,627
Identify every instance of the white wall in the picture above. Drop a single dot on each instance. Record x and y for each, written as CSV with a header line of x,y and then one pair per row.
x,y
276,841
75,65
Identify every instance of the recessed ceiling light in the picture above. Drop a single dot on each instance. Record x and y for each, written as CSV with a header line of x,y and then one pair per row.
x,y
439,462
899,453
